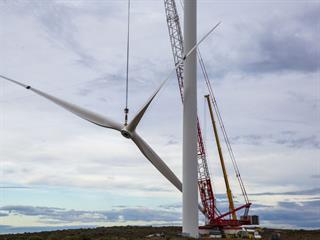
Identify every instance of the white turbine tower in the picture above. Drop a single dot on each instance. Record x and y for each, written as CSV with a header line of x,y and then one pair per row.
x,y
190,163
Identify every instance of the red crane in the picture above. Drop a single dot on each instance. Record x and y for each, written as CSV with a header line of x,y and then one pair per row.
x,y
213,215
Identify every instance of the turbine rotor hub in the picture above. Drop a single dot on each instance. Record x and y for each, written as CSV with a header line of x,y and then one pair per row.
x,y
125,133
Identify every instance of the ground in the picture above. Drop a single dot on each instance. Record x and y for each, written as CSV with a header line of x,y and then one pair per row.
x,y
135,233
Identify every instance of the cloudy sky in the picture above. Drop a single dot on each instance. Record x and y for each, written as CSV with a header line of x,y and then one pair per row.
x,y
57,170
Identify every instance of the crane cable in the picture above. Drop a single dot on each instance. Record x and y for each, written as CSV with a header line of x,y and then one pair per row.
x,y
126,110
217,111
225,135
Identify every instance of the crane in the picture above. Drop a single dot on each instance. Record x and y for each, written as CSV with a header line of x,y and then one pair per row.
x,y
214,218
225,176
204,182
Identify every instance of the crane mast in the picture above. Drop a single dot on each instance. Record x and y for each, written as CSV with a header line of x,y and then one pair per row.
x,y
204,182
224,170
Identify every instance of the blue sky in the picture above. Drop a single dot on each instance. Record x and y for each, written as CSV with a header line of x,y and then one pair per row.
x,y
60,171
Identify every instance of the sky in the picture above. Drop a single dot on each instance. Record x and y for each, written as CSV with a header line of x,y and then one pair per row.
x,y
59,171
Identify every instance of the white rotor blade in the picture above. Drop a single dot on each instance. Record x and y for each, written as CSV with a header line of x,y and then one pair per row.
x,y
79,111
135,121
151,155
148,152
201,40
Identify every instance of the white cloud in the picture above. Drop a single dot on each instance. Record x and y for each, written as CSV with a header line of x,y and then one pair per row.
x,y
76,50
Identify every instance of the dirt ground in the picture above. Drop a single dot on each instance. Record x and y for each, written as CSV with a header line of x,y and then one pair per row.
x,y
135,233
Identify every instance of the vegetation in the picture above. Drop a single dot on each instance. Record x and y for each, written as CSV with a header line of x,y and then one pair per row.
x,y
135,233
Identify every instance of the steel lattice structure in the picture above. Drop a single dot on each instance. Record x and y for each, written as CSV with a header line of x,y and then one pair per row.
x,y
176,39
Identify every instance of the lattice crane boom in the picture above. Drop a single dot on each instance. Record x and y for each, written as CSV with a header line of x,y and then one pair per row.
x,y
176,39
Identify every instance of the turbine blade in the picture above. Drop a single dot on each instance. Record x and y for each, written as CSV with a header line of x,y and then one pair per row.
x,y
201,40
148,152
135,121
79,111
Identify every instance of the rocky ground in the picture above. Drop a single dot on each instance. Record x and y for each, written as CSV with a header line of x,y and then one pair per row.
x,y
135,233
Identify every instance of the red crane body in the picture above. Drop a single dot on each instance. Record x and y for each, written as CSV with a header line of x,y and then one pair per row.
x,y
214,217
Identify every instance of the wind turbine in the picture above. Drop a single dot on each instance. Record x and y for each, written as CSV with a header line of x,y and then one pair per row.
x,y
129,130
